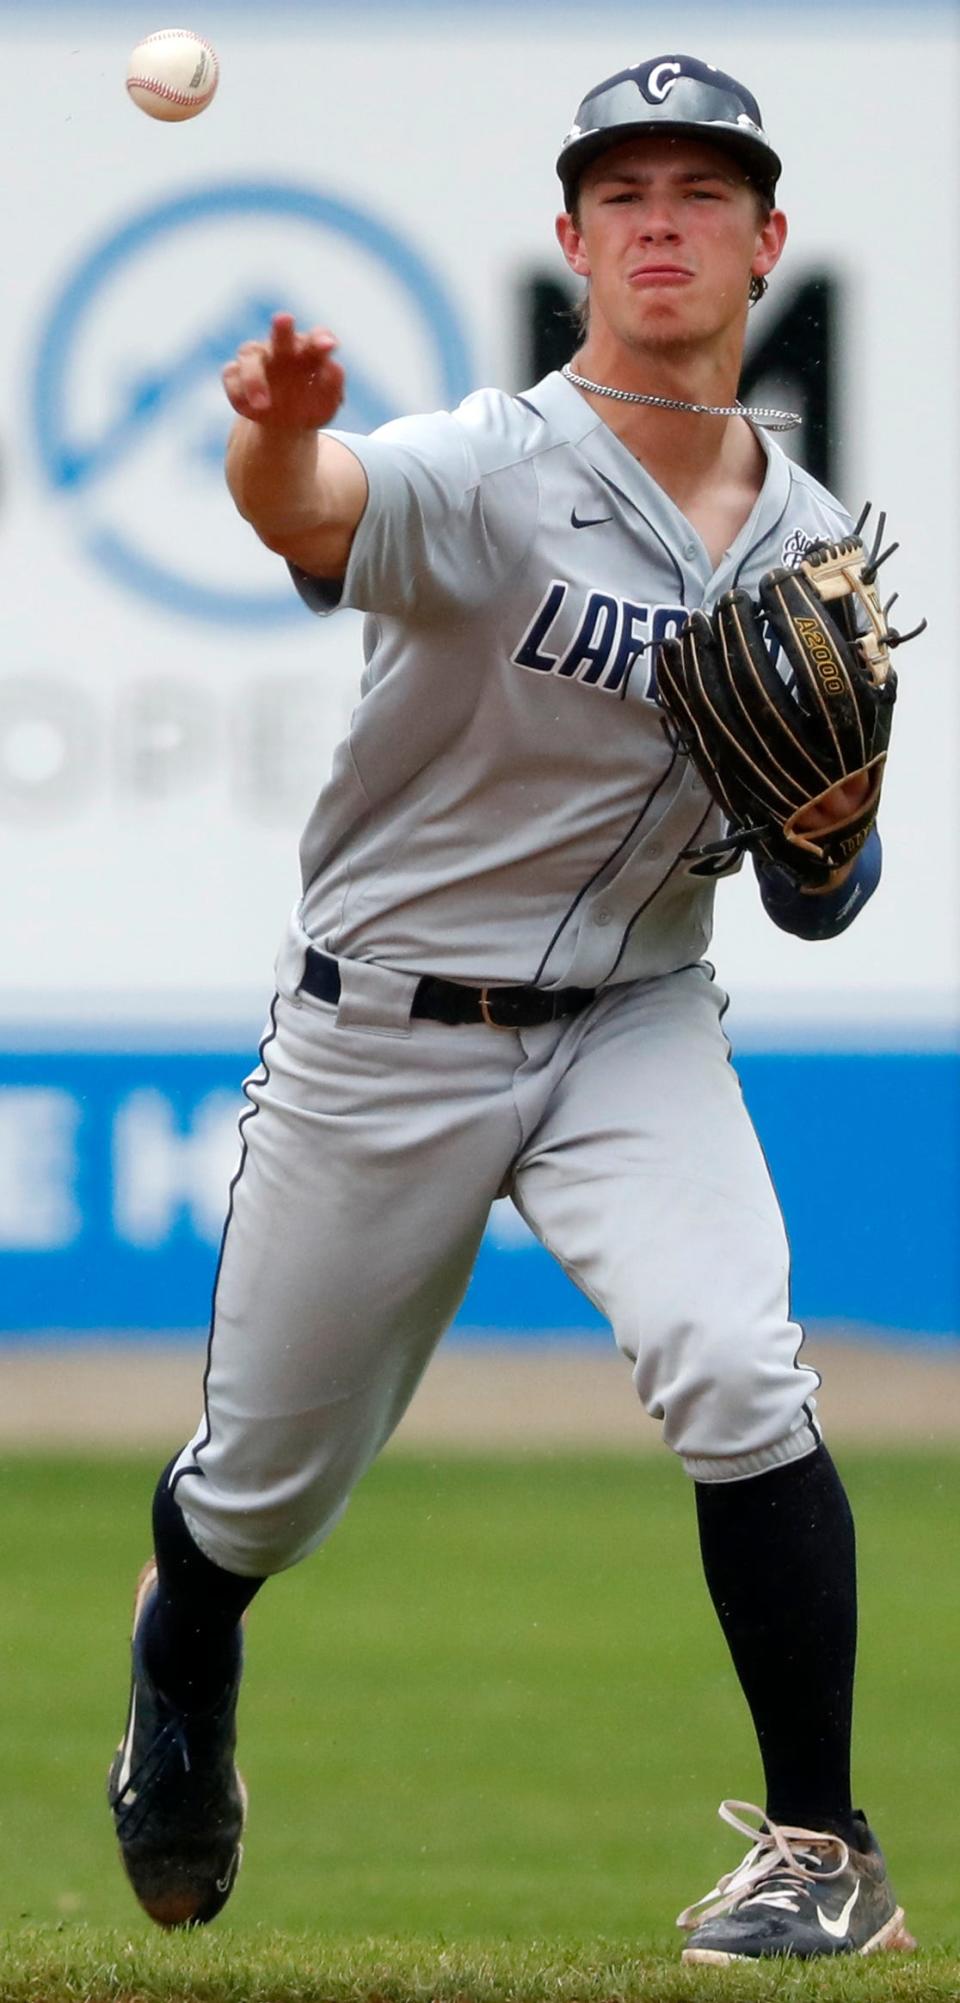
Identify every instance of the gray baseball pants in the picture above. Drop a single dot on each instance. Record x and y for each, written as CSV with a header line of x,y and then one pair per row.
x,y
373,1149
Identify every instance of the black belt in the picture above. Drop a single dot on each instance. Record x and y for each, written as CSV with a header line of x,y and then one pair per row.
x,y
448,1001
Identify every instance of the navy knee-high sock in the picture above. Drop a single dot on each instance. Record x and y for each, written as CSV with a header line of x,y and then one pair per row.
x,y
192,1639
780,1563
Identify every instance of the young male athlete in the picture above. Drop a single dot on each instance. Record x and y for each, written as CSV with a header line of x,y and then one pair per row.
x,y
494,985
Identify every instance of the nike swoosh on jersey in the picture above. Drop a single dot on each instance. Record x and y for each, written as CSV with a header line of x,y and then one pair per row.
x,y
589,521
839,1927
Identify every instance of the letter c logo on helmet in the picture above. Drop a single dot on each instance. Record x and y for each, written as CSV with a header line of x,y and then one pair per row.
x,y
661,80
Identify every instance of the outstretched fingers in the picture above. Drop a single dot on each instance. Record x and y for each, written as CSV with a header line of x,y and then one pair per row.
x,y
245,380
289,379
283,335
286,344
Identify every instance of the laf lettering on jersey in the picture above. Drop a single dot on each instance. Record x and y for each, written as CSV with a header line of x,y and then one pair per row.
x,y
610,637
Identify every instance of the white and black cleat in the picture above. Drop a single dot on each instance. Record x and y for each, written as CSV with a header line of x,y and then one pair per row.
x,y
798,1892
177,1800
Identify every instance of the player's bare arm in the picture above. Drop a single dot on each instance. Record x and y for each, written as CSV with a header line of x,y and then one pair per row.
x,y
303,494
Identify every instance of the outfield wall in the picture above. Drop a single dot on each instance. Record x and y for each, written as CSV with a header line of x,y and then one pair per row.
x,y
118,1165
167,707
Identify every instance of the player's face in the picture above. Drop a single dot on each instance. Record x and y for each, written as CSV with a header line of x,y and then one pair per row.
x,y
669,233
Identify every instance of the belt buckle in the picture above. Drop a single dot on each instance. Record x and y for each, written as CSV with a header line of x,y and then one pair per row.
x,y
483,1003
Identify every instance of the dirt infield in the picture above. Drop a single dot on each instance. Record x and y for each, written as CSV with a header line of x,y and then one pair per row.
x,y
472,1399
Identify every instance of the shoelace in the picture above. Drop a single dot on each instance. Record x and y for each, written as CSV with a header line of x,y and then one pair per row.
x,y
781,1858
141,1781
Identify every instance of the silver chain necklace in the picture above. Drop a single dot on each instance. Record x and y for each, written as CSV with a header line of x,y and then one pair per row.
x,y
771,420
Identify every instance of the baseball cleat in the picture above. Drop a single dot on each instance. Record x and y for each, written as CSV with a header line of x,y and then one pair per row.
x,y
798,1892
178,1802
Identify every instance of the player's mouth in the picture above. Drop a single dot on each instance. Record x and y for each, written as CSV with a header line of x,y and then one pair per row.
x,y
655,275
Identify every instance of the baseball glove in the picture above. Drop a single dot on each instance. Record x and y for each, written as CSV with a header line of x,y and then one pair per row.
x,y
769,735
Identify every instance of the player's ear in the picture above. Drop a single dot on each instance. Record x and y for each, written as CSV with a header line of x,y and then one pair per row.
x,y
771,237
571,244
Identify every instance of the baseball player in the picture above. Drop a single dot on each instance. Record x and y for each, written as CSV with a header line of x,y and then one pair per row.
x,y
495,986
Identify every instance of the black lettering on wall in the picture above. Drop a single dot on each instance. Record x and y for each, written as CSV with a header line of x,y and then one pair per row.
x,y
792,361
548,336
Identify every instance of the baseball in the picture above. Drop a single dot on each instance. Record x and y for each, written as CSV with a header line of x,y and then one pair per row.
x,y
172,74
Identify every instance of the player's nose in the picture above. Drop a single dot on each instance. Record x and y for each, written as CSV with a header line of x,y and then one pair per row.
x,y
658,225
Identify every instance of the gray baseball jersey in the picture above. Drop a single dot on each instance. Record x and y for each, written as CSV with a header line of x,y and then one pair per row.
x,y
506,806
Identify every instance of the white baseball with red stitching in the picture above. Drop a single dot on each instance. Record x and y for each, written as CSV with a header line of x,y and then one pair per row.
x,y
173,74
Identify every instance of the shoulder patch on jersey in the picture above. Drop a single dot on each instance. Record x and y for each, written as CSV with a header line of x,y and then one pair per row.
x,y
795,548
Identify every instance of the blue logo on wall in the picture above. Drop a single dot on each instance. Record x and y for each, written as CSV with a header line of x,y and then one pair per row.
x,y
127,378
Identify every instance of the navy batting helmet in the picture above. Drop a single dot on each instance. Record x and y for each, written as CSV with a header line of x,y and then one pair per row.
x,y
669,94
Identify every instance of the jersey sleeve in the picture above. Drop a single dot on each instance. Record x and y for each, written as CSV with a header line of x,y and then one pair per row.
x,y
435,531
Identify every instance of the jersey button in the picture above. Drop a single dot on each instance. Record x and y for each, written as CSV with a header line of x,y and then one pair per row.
x,y
689,549
654,849
603,916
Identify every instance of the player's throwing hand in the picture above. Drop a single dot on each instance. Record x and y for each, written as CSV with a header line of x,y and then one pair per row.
x,y
290,381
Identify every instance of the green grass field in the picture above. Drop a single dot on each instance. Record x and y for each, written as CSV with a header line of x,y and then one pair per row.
x,y
485,1734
